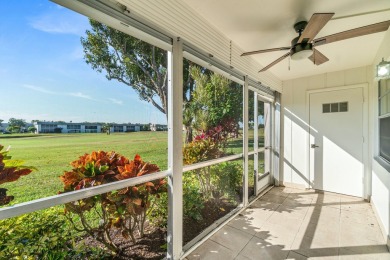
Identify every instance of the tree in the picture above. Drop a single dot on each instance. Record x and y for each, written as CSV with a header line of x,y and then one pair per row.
x,y
16,125
106,128
132,62
145,127
216,100
129,61
57,130
1,121
32,129
251,103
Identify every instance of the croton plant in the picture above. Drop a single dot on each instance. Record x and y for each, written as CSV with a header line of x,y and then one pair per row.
x,y
125,210
10,170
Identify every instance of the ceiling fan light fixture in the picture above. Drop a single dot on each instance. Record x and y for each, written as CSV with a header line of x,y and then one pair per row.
x,y
301,51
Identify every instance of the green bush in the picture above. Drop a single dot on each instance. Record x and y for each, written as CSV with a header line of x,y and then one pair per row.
x,y
192,203
37,235
227,179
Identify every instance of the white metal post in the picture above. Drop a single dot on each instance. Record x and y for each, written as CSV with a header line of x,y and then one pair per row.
x,y
256,141
276,140
267,137
245,141
175,157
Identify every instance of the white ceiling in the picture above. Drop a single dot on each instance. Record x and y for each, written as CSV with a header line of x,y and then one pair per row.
x,y
263,24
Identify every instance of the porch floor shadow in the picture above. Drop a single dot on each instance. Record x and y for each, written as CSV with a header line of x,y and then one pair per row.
x,y
288,223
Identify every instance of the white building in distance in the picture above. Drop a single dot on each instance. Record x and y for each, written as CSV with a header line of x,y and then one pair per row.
x,y
64,127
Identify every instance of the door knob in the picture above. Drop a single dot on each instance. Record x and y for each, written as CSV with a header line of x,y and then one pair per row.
x,y
314,146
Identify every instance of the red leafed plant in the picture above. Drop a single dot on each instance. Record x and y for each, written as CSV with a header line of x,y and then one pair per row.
x,y
221,133
10,170
125,210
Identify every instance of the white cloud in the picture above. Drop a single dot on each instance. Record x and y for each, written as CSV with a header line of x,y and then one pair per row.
x,y
73,94
80,95
116,101
38,89
61,22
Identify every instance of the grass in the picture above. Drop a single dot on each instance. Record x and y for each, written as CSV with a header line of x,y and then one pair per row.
x,y
52,154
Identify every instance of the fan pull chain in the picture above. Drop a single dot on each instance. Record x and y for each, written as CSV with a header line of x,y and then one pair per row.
x,y
289,62
314,56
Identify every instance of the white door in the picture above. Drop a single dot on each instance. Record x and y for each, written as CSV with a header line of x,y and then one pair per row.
x,y
263,151
336,141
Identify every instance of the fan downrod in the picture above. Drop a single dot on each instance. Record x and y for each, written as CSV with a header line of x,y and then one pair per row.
x,y
300,26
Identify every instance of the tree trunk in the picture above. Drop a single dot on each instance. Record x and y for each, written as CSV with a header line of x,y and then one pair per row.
x,y
188,134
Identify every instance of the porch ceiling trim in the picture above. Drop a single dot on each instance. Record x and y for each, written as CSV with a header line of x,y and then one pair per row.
x,y
179,20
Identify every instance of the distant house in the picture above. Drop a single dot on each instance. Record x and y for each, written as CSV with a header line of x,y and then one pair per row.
x,y
63,127
125,127
3,127
158,127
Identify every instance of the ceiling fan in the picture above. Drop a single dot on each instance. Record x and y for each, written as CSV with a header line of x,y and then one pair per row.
x,y
304,46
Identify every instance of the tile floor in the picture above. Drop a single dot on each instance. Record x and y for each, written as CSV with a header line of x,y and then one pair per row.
x,y
289,223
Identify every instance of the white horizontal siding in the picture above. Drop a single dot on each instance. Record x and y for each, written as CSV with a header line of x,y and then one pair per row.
x,y
179,20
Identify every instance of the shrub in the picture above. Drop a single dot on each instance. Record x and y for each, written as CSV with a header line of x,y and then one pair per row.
x,y
125,209
10,170
227,179
200,150
212,180
192,203
35,235
221,133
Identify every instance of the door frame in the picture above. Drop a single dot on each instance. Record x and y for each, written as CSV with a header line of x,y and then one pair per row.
x,y
266,179
367,175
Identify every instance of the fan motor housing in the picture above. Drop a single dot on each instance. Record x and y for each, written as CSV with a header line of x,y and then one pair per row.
x,y
300,50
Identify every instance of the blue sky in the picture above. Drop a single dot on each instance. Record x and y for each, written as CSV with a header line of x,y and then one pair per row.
x,y
43,74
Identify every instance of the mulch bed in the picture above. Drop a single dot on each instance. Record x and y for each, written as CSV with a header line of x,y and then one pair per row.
x,y
210,213
153,245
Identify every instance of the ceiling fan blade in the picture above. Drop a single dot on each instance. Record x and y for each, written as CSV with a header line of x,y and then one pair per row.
x,y
275,62
316,23
318,58
266,50
365,30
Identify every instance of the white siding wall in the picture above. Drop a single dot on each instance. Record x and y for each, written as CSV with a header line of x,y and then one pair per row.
x,y
295,118
294,163
179,20
380,176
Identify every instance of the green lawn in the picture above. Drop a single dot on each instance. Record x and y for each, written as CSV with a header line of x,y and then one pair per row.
x,y
51,155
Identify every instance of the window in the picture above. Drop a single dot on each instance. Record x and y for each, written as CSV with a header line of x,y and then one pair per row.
x,y
73,127
384,119
118,128
335,107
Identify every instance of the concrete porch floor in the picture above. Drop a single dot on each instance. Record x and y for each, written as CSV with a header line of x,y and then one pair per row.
x,y
289,223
